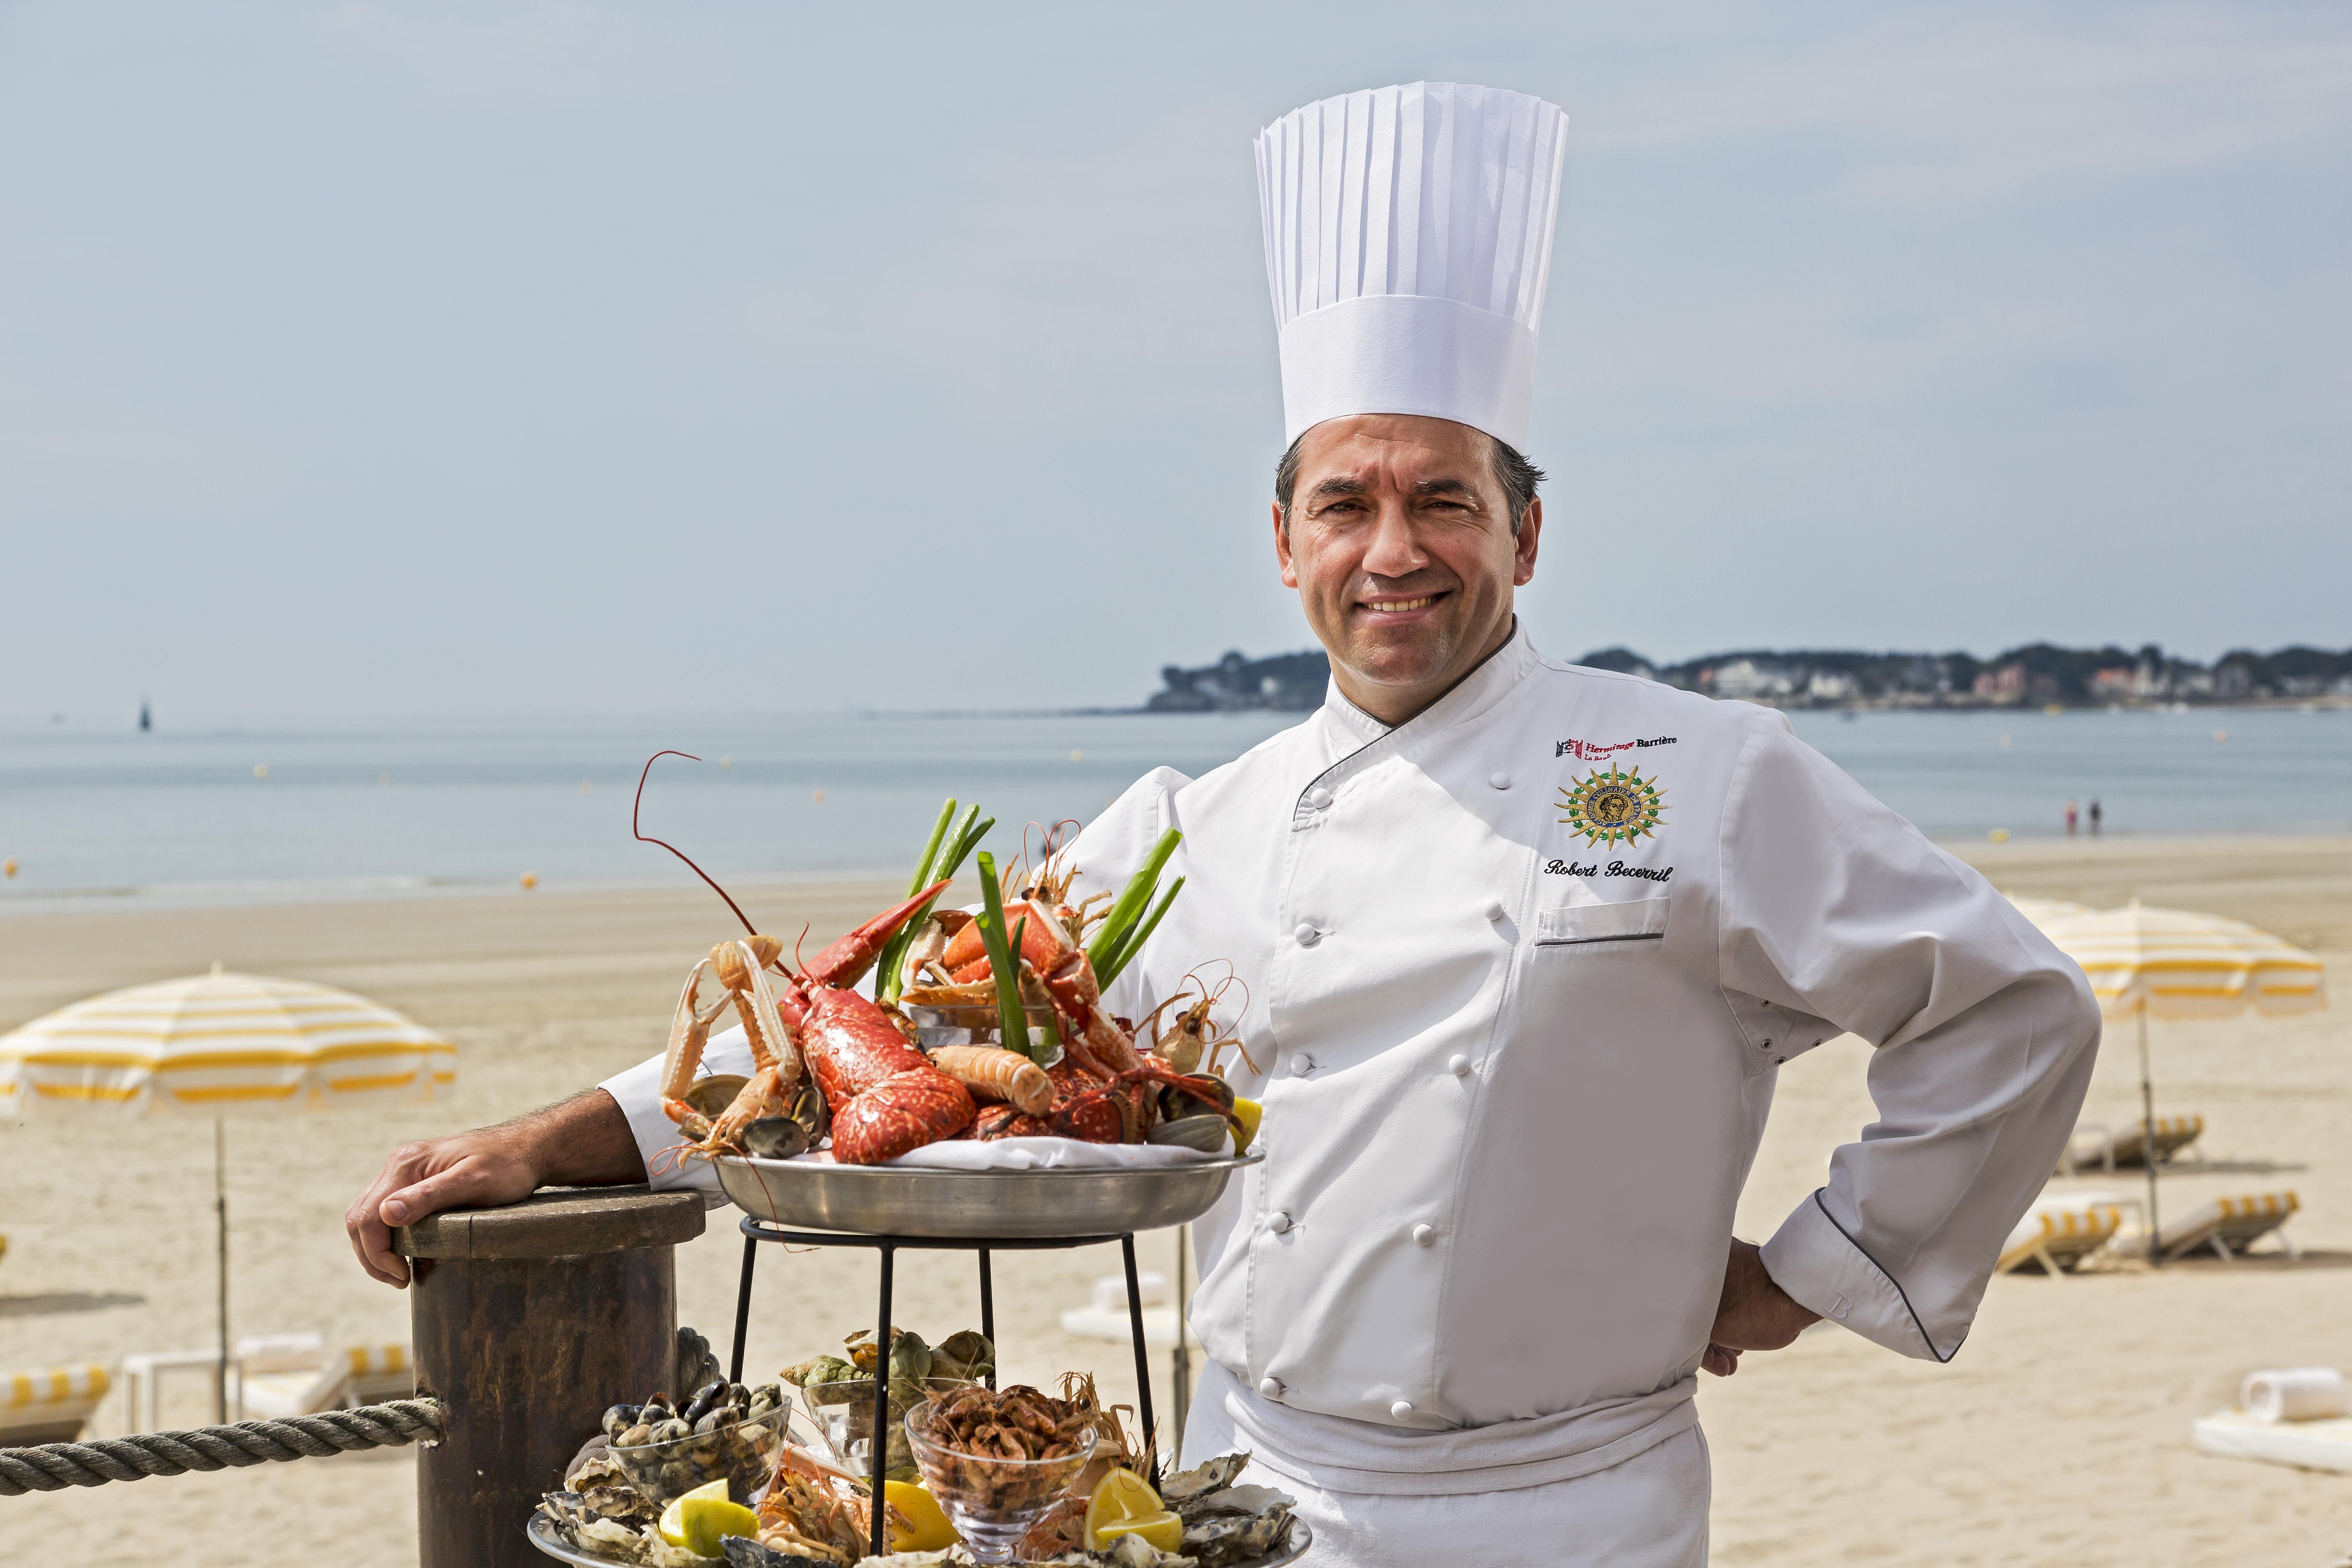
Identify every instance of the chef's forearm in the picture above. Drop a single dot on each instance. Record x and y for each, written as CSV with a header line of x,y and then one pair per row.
x,y
581,1141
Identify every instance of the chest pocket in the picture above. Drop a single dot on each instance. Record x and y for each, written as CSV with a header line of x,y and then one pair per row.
x,y
1602,926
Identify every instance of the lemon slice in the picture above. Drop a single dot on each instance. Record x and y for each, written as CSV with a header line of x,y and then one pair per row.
x,y
927,1529
1122,1498
1164,1530
697,1521
1249,1112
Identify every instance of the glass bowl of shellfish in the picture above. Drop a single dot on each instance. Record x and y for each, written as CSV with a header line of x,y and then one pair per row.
x,y
724,1431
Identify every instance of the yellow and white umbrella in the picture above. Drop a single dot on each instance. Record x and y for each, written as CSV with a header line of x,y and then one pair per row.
x,y
2176,964
218,1045
2144,961
222,1042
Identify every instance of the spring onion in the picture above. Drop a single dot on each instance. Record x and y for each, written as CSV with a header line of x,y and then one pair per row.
x,y
1128,907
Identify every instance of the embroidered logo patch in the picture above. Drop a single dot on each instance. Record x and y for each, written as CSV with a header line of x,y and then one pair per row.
x,y
1611,808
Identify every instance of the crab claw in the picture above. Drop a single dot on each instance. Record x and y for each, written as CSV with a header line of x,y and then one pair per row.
x,y
847,957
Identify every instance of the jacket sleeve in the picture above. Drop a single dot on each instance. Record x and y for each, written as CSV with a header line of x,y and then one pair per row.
x,y
1836,908
637,1090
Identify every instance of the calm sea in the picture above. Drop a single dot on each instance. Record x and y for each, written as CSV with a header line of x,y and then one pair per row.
x,y
419,808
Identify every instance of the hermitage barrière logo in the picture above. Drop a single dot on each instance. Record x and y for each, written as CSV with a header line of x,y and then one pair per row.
x,y
1611,807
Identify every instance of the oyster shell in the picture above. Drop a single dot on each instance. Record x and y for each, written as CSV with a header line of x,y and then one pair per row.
x,y
1213,1476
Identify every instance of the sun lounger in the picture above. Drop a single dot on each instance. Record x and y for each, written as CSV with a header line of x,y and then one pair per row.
x,y
292,1375
2095,1143
48,1406
142,1380
2056,1236
2229,1225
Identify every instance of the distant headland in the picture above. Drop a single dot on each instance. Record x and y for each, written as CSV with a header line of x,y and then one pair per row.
x,y
2040,675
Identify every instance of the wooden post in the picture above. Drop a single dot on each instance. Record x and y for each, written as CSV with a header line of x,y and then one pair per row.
x,y
530,1320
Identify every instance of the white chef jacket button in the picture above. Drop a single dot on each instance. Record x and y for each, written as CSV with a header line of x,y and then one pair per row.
x,y
1277,1222
1301,1065
1426,1235
1270,1386
1459,1065
1319,796
1305,934
1401,1409
1500,781
1493,909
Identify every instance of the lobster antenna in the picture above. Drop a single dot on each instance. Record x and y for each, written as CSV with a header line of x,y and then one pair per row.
x,y
648,839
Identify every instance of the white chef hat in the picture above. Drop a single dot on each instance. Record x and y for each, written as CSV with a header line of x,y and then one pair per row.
x,y
1408,236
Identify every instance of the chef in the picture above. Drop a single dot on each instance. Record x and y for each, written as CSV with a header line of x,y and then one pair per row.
x,y
1527,946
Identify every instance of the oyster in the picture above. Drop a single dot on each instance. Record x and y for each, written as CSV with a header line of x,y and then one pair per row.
x,y
1226,1538
1215,1475
581,1528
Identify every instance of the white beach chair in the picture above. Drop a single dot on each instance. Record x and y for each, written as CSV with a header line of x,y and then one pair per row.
x,y
2096,1143
280,1376
2056,1236
2229,1226
50,1406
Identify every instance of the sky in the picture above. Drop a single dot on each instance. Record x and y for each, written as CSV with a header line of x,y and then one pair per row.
x,y
495,357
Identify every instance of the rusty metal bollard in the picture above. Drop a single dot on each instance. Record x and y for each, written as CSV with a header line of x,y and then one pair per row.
x,y
529,1321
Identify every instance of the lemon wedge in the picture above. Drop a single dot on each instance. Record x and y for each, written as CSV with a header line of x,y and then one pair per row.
x,y
1249,1112
697,1521
927,1529
1164,1530
1120,1505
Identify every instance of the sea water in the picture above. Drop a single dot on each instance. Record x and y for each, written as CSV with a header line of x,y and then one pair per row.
x,y
298,811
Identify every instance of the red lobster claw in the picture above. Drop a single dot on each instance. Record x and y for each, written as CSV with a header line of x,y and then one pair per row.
x,y
847,957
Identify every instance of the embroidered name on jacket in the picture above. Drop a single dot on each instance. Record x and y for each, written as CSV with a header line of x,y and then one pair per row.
x,y
1592,751
1616,868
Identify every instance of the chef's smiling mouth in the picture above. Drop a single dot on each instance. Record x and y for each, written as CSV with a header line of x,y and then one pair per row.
x,y
1398,606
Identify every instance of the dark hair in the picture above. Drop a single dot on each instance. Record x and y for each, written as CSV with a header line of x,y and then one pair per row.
x,y
1516,475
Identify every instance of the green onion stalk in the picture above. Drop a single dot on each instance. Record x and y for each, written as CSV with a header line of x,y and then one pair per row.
x,y
1004,964
1124,929
942,857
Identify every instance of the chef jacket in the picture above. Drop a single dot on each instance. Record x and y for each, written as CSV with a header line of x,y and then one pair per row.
x,y
1521,975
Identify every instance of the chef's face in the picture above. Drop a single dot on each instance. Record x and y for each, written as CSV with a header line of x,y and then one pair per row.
x,y
1399,542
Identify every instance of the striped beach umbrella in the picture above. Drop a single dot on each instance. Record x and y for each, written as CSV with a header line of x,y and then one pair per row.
x,y
2143,961
2174,963
219,1045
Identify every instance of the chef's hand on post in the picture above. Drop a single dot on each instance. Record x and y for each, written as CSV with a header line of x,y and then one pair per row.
x,y
1753,1314
584,1141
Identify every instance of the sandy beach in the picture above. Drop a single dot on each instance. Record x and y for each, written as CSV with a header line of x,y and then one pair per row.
x,y
2060,1434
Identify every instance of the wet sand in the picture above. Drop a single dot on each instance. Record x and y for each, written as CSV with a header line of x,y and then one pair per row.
x,y
2060,1434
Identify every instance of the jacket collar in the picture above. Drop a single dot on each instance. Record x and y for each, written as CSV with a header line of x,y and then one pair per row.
x,y
1479,690
1363,741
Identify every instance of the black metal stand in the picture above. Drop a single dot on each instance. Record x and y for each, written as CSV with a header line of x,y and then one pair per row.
x,y
758,1231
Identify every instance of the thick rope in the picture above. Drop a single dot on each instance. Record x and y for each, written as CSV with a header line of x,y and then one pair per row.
x,y
53,1466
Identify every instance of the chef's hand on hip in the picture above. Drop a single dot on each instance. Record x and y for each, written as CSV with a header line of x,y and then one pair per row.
x,y
583,1140
1754,1313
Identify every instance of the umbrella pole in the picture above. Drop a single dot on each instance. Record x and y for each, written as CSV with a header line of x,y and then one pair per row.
x,y
2147,1135
220,1217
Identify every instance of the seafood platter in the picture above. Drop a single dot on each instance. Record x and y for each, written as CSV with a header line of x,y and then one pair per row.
x,y
971,1474
873,1110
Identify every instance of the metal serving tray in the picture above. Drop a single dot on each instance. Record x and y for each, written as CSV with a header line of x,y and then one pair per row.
x,y
891,1200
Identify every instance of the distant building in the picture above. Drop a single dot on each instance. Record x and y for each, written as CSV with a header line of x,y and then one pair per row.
x,y
1747,679
2004,684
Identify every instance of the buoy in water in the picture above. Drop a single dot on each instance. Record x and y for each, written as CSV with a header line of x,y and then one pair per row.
x,y
261,770
1998,835
530,879
10,867
818,797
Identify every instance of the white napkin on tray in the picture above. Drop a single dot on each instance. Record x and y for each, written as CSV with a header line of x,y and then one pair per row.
x,y
1036,1154
2294,1394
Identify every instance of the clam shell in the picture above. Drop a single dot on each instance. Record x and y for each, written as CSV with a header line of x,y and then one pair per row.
x,y
1209,1135
713,1094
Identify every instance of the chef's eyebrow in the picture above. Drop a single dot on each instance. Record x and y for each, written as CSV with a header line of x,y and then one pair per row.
x,y
1340,485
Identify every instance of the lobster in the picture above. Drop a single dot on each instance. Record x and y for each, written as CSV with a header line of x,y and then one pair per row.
x,y
887,1097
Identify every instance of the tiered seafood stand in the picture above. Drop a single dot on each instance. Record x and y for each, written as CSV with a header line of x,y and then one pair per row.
x,y
809,1203
473,1486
